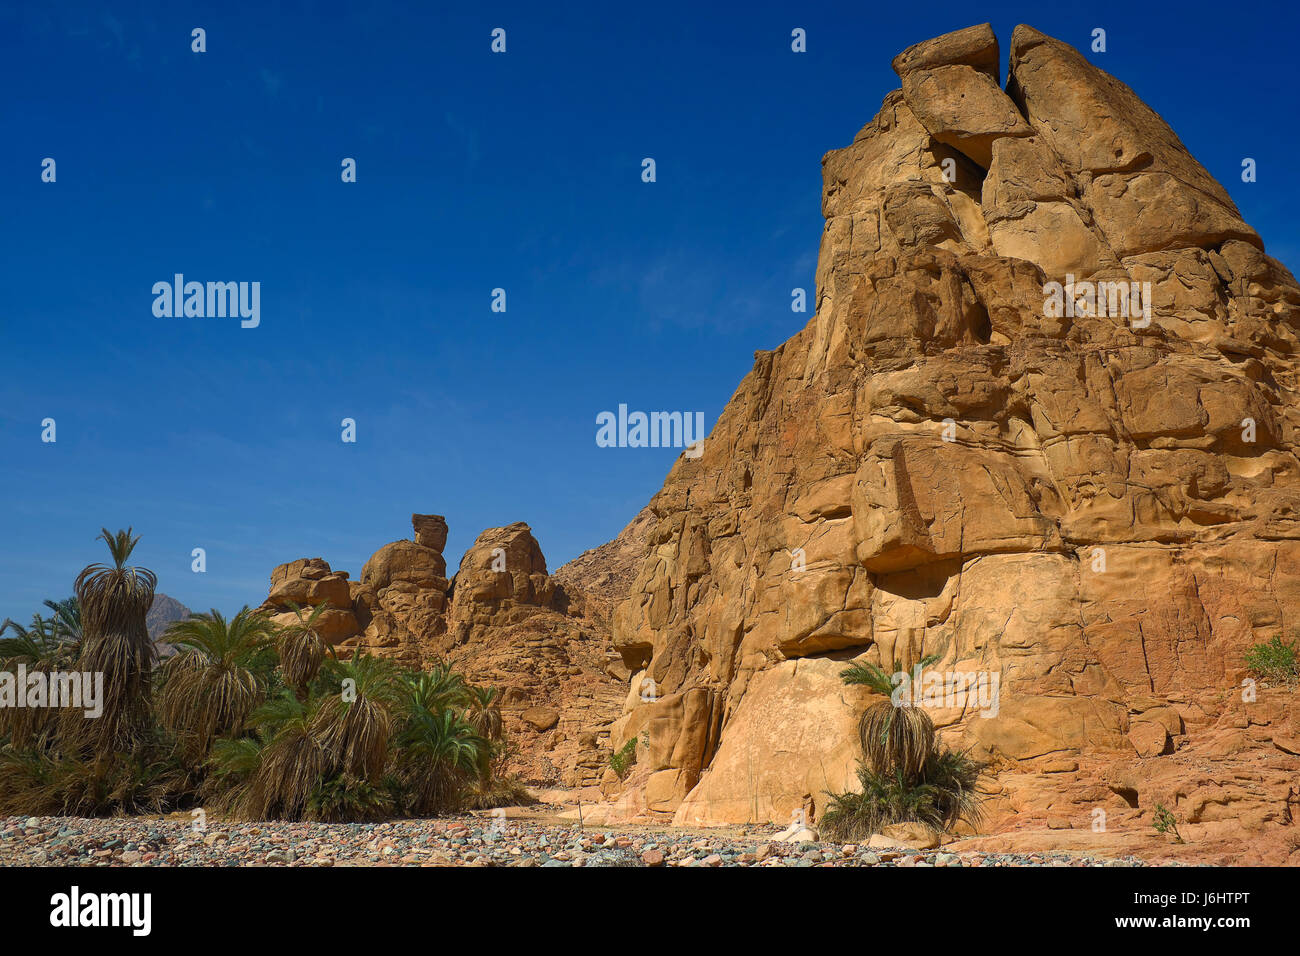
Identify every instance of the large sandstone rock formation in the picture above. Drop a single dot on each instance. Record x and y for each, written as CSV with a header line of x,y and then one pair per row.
x,y
502,620
1103,513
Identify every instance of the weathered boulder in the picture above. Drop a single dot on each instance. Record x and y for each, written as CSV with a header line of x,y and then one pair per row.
x,y
405,562
310,583
951,84
430,531
501,578
331,590
332,625
309,568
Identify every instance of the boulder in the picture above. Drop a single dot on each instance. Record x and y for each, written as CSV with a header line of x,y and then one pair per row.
x,y
331,590
540,718
501,579
430,531
307,568
405,562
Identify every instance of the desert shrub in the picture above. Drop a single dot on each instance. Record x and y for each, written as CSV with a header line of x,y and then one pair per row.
x,y
623,759
1165,822
146,780
496,790
940,795
345,798
1275,661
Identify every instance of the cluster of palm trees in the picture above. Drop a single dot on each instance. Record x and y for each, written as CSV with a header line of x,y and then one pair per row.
x,y
906,776
250,717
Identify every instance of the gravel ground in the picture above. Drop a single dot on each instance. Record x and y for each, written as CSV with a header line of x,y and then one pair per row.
x,y
453,841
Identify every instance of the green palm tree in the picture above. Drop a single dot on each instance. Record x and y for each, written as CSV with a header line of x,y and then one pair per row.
x,y
67,618
904,775
436,751
41,646
211,686
114,600
440,687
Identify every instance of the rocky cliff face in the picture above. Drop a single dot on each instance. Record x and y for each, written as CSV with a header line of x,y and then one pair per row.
x,y
1092,496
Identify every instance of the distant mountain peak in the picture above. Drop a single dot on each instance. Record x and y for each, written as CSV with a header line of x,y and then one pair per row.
x,y
164,610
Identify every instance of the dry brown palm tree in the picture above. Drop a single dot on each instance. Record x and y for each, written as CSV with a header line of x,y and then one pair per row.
x,y
355,724
484,711
301,650
43,648
283,766
114,600
894,737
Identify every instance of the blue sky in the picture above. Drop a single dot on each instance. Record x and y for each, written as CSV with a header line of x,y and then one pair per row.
x,y
475,171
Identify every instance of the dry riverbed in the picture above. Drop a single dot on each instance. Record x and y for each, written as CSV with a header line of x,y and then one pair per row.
x,y
472,840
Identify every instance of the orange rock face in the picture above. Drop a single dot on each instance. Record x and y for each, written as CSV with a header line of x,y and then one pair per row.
x,y
1092,499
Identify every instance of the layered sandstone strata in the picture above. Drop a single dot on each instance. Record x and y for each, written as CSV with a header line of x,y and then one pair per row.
x,y
1102,512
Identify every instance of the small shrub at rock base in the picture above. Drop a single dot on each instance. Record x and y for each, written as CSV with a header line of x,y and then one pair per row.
x,y
939,796
1276,662
622,760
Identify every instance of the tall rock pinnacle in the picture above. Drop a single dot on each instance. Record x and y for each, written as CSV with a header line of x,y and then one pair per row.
x,y
1042,424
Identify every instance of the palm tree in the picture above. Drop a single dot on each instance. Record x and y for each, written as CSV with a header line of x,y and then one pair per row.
x,y
40,647
276,772
436,750
211,686
114,601
441,687
355,724
904,775
894,737
67,617
484,711
301,650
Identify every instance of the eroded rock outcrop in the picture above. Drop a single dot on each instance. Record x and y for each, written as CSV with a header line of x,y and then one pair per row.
x,y
1099,506
502,620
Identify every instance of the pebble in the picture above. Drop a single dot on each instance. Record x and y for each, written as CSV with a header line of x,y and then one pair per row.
x,y
459,841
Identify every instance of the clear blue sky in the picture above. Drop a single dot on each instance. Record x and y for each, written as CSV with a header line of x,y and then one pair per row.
x,y
475,171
